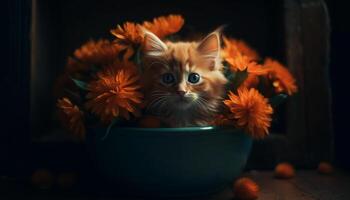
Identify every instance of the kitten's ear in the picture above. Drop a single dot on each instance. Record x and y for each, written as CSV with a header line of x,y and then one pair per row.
x,y
209,47
153,46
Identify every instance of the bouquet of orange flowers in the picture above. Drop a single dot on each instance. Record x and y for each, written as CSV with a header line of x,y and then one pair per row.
x,y
101,81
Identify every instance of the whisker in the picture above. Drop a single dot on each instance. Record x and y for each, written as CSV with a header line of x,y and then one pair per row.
x,y
150,105
155,100
206,106
159,93
159,105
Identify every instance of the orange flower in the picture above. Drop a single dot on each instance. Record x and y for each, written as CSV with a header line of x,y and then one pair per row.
x,y
129,33
241,57
251,110
115,93
233,47
251,81
241,63
72,117
99,52
165,25
282,79
74,66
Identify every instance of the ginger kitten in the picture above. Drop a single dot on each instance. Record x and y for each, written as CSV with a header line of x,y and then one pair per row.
x,y
183,81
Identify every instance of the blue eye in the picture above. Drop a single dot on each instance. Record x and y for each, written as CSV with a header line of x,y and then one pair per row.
x,y
168,78
194,78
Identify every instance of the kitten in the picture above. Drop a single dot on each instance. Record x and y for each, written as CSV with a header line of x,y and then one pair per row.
x,y
183,81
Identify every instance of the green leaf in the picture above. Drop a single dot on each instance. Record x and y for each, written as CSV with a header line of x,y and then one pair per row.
x,y
114,122
71,93
81,84
277,100
136,57
228,73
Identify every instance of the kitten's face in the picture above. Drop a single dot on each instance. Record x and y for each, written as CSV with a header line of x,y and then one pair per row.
x,y
183,81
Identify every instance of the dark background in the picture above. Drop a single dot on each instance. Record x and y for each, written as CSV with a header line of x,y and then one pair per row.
x,y
15,135
339,71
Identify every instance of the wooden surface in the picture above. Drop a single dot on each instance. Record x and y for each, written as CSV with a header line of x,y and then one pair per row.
x,y
306,185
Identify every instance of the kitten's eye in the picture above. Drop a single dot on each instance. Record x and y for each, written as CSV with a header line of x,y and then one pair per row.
x,y
193,78
168,78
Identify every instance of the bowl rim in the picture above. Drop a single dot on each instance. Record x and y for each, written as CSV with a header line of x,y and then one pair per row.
x,y
168,129
197,129
183,131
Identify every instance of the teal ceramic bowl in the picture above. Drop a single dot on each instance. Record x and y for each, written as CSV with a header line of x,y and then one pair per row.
x,y
169,161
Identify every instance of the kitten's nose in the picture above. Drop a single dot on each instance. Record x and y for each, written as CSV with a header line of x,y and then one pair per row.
x,y
181,93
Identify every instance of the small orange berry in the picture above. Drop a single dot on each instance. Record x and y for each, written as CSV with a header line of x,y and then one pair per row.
x,y
66,180
246,189
42,178
325,168
284,171
149,122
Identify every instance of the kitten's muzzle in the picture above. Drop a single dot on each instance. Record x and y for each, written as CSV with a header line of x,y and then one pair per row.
x,y
181,93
